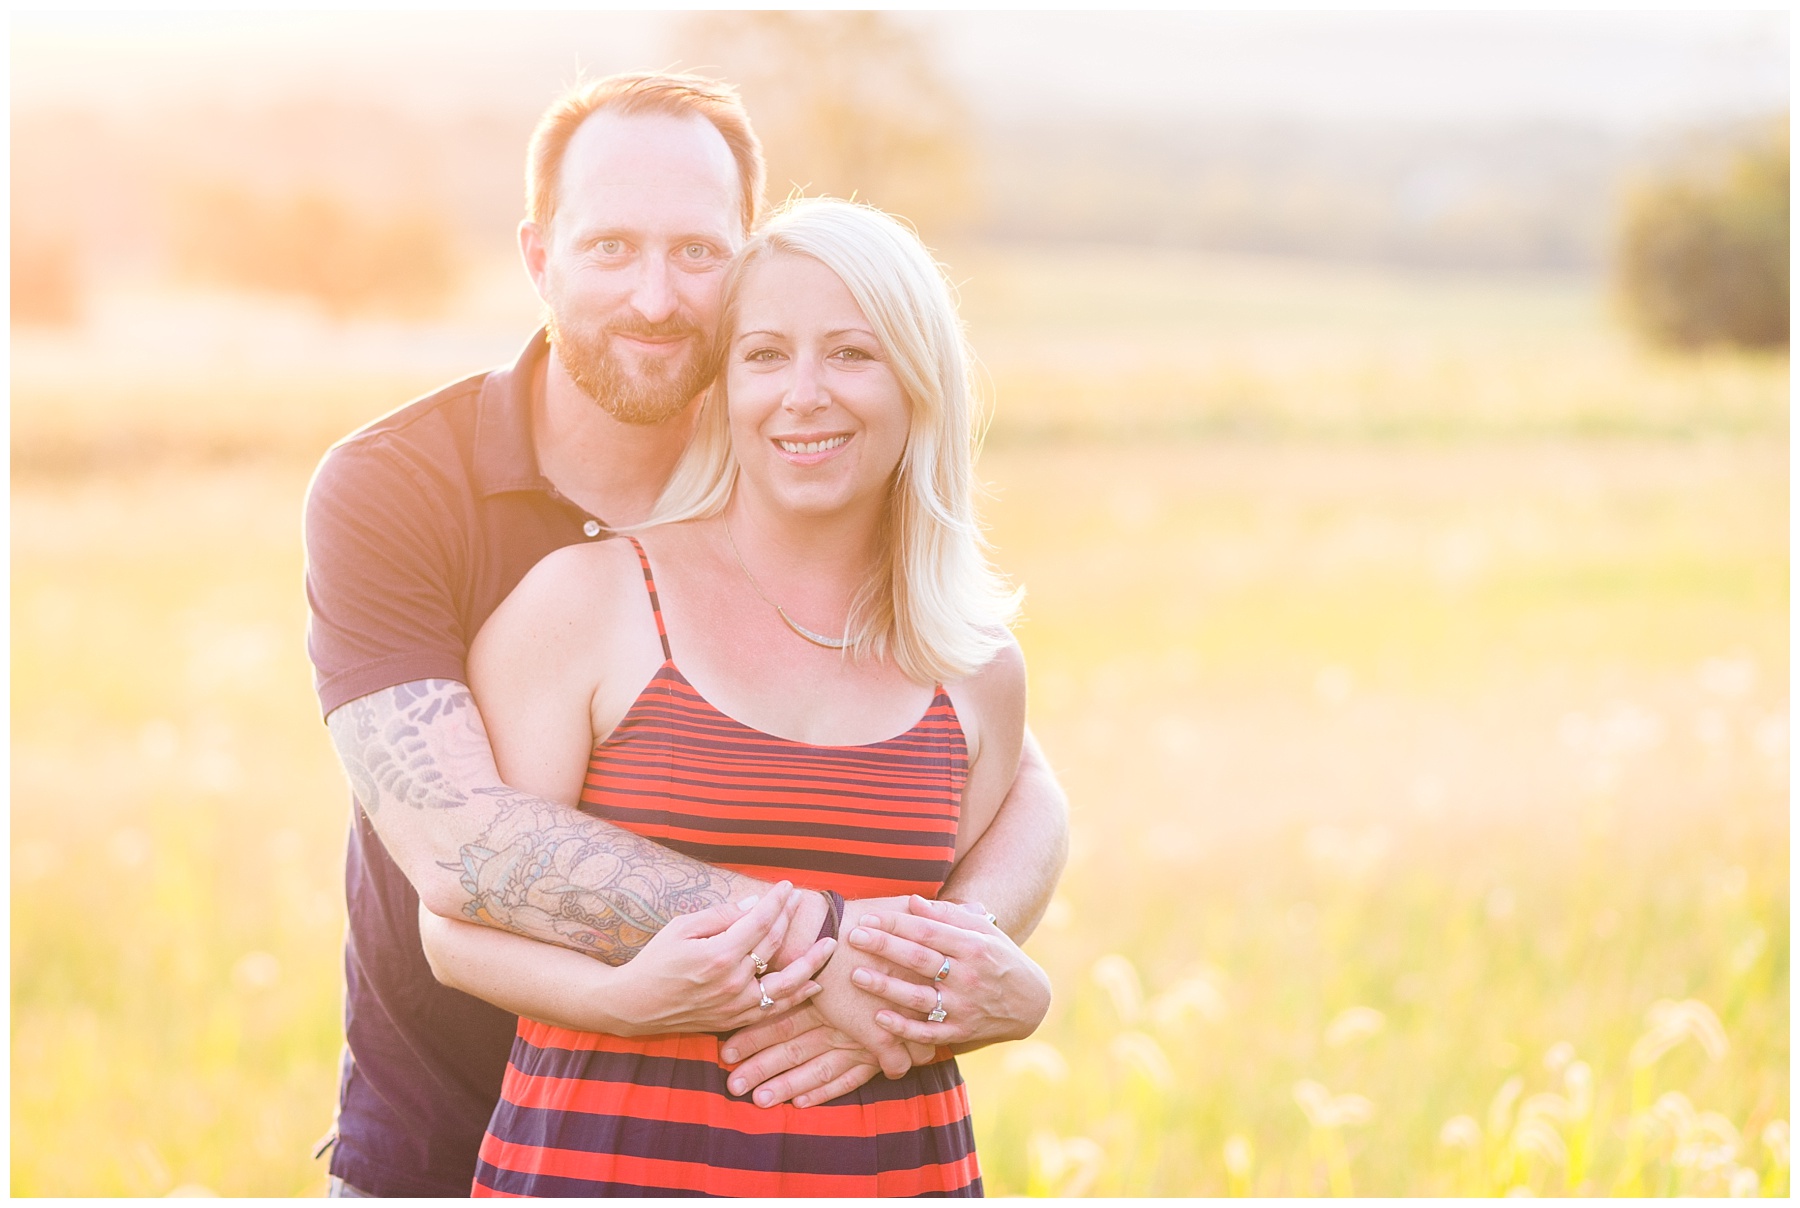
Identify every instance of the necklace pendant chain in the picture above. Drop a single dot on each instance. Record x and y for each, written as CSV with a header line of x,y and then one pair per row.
x,y
817,639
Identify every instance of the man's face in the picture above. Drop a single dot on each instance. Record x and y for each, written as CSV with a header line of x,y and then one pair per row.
x,y
647,220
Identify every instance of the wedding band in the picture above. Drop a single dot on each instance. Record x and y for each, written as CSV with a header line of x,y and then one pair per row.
x,y
760,965
937,1012
943,970
766,1002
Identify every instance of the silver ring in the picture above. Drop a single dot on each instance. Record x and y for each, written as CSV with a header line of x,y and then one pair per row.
x,y
759,965
937,1012
766,1002
943,971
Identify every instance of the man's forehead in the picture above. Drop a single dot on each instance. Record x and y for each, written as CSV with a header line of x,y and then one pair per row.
x,y
679,154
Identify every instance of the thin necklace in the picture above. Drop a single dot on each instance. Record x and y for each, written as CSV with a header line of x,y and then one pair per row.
x,y
817,639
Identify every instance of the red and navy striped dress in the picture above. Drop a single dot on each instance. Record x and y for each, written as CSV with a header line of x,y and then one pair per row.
x,y
583,1113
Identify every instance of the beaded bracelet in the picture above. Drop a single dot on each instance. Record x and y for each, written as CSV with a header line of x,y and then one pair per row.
x,y
834,915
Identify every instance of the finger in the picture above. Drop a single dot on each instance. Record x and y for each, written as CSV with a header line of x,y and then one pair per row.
x,y
846,1082
904,953
970,916
759,1036
919,1031
894,1058
896,990
957,942
780,1058
771,943
800,970
711,921
755,1011
743,936
821,1071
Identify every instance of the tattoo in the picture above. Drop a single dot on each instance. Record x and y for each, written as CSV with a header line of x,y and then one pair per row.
x,y
546,871
380,740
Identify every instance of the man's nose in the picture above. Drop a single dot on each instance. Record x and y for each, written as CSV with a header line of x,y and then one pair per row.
x,y
654,298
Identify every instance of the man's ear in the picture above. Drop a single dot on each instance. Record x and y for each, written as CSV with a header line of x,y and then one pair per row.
x,y
534,249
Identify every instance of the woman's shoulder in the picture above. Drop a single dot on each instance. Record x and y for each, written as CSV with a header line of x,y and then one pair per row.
x,y
991,700
571,587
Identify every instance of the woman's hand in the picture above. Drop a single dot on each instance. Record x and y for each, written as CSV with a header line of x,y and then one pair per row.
x,y
800,1056
697,974
990,989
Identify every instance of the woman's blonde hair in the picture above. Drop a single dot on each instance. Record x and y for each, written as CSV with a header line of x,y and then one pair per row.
x,y
934,604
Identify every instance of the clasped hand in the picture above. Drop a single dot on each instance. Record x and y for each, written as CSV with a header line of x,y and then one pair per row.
x,y
829,1046
697,973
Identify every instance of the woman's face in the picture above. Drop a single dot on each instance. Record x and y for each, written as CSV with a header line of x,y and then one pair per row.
x,y
818,419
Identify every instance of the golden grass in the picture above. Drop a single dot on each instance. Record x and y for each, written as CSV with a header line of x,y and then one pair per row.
x,y
1424,737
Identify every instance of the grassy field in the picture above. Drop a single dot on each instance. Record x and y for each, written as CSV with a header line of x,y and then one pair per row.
x,y
1414,651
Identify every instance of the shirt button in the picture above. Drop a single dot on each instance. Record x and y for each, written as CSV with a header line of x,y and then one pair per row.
x,y
591,528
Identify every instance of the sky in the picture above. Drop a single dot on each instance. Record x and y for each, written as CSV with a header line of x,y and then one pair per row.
x,y
1628,71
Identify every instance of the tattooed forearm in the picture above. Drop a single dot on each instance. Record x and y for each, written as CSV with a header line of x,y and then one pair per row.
x,y
523,864
381,742
556,874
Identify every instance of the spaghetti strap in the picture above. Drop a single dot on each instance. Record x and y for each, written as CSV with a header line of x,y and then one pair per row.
x,y
655,604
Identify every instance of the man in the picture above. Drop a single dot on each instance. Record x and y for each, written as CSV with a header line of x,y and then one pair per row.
x,y
640,188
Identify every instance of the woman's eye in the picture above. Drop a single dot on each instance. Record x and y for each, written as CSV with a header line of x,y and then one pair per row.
x,y
762,354
854,354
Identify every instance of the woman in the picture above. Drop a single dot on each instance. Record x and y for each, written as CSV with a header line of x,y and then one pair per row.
x,y
799,668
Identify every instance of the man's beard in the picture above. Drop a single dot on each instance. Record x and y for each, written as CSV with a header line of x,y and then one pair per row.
x,y
656,392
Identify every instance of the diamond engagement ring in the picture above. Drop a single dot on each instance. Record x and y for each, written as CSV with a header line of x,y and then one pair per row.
x,y
760,965
766,1002
937,1012
943,971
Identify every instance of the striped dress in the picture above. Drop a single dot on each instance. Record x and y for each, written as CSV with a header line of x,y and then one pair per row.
x,y
583,1113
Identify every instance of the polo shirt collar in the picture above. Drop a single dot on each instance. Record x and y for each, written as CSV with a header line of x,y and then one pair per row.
x,y
505,456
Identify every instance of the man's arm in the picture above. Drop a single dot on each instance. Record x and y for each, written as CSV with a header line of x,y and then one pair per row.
x,y
1013,868
419,761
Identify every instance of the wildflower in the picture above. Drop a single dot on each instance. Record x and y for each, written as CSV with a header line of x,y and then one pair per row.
x,y
1546,1106
1196,995
1559,1056
1353,1024
1500,1110
1460,1132
1744,1183
1539,1138
1327,1111
1578,1080
1036,1057
1238,1157
1141,1053
1775,1136
1119,978
1672,1022
1726,677
1065,1166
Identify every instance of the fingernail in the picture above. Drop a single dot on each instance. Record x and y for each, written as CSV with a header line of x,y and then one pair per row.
x,y
862,977
738,1087
764,1099
859,936
812,990
730,1056
803,1101
747,903
871,920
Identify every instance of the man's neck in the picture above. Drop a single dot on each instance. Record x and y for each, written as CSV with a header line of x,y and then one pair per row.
x,y
615,470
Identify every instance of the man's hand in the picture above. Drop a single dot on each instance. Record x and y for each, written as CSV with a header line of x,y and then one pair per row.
x,y
799,1056
990,990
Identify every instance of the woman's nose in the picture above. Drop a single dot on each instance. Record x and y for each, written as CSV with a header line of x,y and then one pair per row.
x,y
806,391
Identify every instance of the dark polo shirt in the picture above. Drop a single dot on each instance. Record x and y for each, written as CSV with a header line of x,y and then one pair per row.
x,y
416,528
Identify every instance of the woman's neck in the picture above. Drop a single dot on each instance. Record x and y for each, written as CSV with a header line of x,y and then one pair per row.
x,y
803,561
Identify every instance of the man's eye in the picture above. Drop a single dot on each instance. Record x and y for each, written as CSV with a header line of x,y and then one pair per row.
x,y
610,247
696,251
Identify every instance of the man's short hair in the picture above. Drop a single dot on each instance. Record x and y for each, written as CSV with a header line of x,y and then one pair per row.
x,y
674,94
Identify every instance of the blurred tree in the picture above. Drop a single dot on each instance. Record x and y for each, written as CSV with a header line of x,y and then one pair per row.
x,y
1703,252
319,247
848,104
45,283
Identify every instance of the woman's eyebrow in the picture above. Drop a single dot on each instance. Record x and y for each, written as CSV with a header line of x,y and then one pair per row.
x,y
760,331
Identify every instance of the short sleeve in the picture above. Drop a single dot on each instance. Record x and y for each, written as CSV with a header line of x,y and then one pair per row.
x,y
381,570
